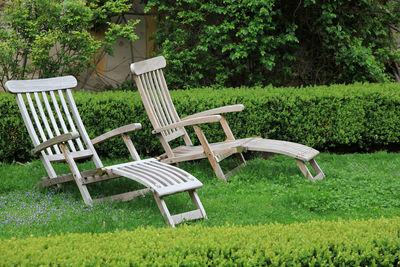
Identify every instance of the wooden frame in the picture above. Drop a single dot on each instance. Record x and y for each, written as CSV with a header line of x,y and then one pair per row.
x,y
58,134
169,126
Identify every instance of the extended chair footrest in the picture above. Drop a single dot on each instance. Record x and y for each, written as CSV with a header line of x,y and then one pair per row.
x,y
291,149
190,215
162,178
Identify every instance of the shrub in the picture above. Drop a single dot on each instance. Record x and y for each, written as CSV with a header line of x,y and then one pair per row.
x,y
46,38
251,42
346,118
317,243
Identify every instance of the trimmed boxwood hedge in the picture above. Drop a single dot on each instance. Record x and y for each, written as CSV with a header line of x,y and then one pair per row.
x,y
317,243
345,118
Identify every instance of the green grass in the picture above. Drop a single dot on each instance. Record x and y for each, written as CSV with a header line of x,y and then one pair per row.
x,y
357,186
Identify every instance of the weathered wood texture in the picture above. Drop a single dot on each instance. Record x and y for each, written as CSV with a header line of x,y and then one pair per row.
x,y
168,126
58,134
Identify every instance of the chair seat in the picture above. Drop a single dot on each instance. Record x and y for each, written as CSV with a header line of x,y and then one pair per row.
x,y
295,150
162,178
184,153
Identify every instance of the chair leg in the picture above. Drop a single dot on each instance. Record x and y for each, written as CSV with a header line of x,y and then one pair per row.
x,y
77,175
320,174
164,210
306,172
241,158
177,218
207,150
196,200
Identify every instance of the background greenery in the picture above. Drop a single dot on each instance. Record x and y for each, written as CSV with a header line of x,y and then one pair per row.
x,y
279,42
45,38
338,118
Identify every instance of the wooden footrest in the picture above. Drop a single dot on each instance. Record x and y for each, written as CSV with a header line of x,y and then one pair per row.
x,y
162,178
295,150
190,215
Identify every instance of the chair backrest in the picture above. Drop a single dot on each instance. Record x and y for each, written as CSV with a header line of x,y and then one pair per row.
x,y
49,110
156,98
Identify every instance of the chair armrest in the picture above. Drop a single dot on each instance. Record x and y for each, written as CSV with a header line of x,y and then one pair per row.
x,y
121,130
194,121
55,140
215,111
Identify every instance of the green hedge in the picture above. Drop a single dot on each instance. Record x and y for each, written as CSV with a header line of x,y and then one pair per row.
x,y
317,243
348,118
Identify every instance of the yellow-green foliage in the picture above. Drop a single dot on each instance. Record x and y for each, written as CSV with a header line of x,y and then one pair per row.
x,y
317,243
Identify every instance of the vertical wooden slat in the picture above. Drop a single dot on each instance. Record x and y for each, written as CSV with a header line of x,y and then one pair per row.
x,y
69,118
165,88
44,119
33,135
155,85
61,119
165,97
166,108
37,122
82,130
155,102
51,115
27,120
148,102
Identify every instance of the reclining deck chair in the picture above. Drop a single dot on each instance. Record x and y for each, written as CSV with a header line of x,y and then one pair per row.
x,y
58,134
168,126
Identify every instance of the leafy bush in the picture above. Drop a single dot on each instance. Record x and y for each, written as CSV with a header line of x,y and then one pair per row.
x,y
317,243
45,38
252,42
359,117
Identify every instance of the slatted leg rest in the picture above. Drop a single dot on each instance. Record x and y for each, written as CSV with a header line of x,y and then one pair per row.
x,y
301,153
199,213
163,180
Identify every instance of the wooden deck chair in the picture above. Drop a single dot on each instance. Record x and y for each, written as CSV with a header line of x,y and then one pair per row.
x,y
168,126
58,134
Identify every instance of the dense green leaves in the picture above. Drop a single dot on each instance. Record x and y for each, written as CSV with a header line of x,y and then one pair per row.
x,y
359,117
252,42
317,243
43,38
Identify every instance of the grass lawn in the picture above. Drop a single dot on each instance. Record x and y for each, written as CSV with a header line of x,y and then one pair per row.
x,y
356,186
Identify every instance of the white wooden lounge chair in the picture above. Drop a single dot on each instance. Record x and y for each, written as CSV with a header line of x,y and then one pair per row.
x,y
168,126
58,134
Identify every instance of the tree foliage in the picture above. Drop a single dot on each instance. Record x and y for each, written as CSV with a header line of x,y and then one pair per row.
x,y
291,42
44,38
